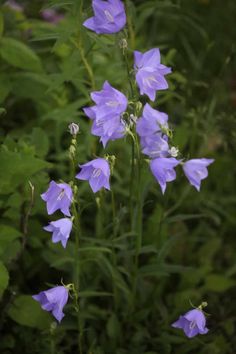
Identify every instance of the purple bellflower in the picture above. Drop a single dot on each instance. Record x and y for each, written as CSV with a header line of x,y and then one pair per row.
x,y
61,230
192,323
151,122
52,16
106,114
155,146
195,170
150,73
14,6
150,128
97,172
58,197
109,17
53,300
163,170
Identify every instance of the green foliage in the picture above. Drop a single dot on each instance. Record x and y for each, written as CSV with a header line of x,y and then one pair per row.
x,y
188,247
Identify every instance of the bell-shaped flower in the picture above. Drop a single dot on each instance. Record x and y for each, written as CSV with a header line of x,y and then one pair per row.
x,y
97,172
61,230
107,113
150,73
155,146
192,323
195,170
58,197
151,122
163,170
109,17
53,300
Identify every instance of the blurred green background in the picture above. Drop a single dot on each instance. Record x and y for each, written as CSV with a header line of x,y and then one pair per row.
x,y
188,251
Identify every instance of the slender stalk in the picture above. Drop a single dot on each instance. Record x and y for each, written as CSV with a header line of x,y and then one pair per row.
x,y
130,25
77,233
79,45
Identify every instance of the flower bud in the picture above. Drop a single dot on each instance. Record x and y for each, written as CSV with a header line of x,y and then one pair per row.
x,y
73,128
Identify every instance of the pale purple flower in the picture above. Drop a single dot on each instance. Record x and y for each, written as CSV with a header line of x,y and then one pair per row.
x,y
195,170
107,113
192,323
14,5
97,172
61,230
163,170
53,300
58,196
150,73
52,16
109,17
155,146
151,122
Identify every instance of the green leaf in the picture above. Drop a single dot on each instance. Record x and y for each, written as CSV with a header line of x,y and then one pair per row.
x,y
218,283
4,278
19,55
16,168
40,141
1,24
27,312
7,235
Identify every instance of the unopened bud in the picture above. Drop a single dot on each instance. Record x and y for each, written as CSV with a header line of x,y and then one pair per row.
x,y
123,44
73,128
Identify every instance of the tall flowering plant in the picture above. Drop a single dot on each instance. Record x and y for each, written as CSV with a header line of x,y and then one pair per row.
x,y
116,115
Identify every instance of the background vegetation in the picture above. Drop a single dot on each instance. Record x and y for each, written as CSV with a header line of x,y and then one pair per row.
x,y
188,250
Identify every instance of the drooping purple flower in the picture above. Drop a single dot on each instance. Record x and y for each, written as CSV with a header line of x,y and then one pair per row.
x,y
53,300
58,197
109,17
107,113
192,323
97,172
61,230
52,16
163,170
151,122
195,170
155,146
150,73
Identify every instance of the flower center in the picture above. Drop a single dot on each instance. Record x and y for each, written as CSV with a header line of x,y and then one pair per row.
x,y
112,103
192,325
61,194
96,172
109,16
149,80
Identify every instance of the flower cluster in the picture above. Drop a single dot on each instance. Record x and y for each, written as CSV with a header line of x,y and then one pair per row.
x,y
112,118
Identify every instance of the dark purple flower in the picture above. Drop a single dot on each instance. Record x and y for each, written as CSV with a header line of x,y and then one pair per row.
x,y
195,170
52,16
151,122
53,300
109,17
163,170
58,196
107,113
97,172
150,73
192,323
60,230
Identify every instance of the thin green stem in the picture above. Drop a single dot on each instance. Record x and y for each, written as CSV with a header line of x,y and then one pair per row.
x,y
79,45
77,233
